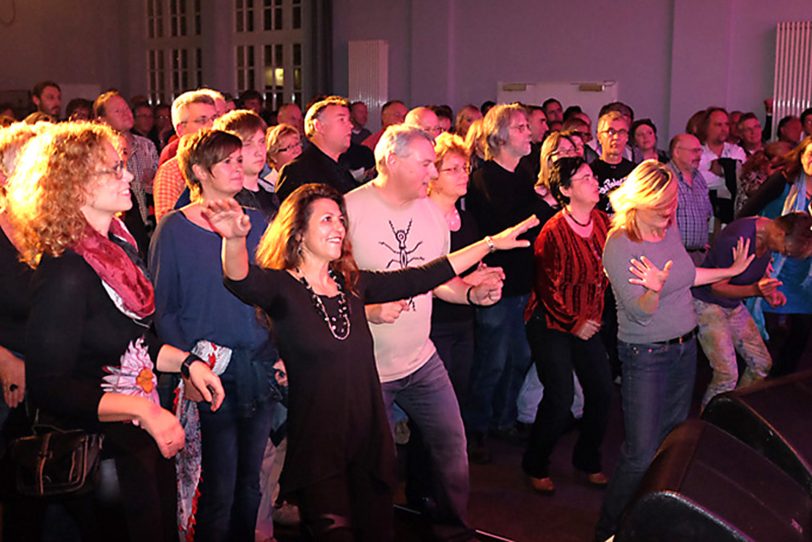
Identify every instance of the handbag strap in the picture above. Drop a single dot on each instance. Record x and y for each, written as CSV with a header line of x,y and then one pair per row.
x,y
43,455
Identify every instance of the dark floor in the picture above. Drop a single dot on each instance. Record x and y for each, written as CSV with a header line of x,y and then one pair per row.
x,y
503,506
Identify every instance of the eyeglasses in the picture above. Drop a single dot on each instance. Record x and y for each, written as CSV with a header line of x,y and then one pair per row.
x,y
290,147
456,170
117,170
199,120
611,132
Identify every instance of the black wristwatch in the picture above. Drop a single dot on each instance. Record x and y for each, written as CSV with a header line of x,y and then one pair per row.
x,y
191,358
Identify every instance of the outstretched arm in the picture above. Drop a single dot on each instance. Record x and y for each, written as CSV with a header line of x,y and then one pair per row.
x,y
741,261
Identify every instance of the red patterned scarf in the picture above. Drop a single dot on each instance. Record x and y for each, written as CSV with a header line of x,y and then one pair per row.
x,y
116,269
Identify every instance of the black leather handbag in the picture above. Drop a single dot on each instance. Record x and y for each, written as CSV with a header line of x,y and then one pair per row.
x,y
56,461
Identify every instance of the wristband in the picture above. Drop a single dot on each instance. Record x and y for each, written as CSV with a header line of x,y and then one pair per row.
x,y
190,359
468,296
489,241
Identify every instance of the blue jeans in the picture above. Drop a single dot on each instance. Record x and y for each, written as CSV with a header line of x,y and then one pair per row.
x,y
428,398
500,365
658,381
231,455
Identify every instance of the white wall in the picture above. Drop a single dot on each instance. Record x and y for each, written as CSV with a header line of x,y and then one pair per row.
x,y
669,57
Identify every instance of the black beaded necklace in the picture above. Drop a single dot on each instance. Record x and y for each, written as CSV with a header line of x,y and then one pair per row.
x,y
588,222
339,326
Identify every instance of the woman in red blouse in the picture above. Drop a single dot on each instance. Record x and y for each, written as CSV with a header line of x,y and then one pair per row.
x,y
570,286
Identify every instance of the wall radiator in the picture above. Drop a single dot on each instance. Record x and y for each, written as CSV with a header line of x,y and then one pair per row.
x,y
792,91
369,77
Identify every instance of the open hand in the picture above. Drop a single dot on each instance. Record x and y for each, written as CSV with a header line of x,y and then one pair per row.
x,y
227,218
506,239
741,259
648,276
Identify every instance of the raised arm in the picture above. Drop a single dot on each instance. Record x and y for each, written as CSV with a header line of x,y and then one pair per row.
x,y
741,260
228,219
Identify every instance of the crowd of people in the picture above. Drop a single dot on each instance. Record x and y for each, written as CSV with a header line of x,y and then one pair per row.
x,y
325,292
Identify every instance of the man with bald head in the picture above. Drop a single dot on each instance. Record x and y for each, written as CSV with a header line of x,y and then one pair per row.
x,y
694,208
426,119
393,112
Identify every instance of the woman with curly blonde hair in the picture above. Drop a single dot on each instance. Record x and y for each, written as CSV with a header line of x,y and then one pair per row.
x,y
91,306
651,275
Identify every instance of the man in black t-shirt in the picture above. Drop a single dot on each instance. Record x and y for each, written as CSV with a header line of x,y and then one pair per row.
x,y
611,169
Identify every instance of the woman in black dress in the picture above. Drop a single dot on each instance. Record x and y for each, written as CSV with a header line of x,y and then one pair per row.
x,y
340,460
90,358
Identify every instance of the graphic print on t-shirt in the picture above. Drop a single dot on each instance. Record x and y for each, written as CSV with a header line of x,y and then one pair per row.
x,y
402,253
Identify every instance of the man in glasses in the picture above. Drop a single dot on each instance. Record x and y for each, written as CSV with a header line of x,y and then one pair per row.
x,y
612,168
191,111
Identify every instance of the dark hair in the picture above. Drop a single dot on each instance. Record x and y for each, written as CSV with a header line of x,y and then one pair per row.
x,y
249,94
572,110
784,121
561,176
642,122
204,148
42,85
280,246
710,111
797,228
549,101
486,106
620,107
390,103
443,111
792,160
806,113
78,103
746,116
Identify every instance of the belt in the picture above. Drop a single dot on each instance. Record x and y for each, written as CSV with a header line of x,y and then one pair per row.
x,y
679,340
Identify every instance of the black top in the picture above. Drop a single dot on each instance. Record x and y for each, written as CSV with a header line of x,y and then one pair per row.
x,y
498,199
609,176
336,414
15,278
442,311
769,190
74,330
313,166
531,163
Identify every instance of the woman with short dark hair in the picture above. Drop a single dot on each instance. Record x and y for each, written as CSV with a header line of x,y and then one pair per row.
x,y
570,285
